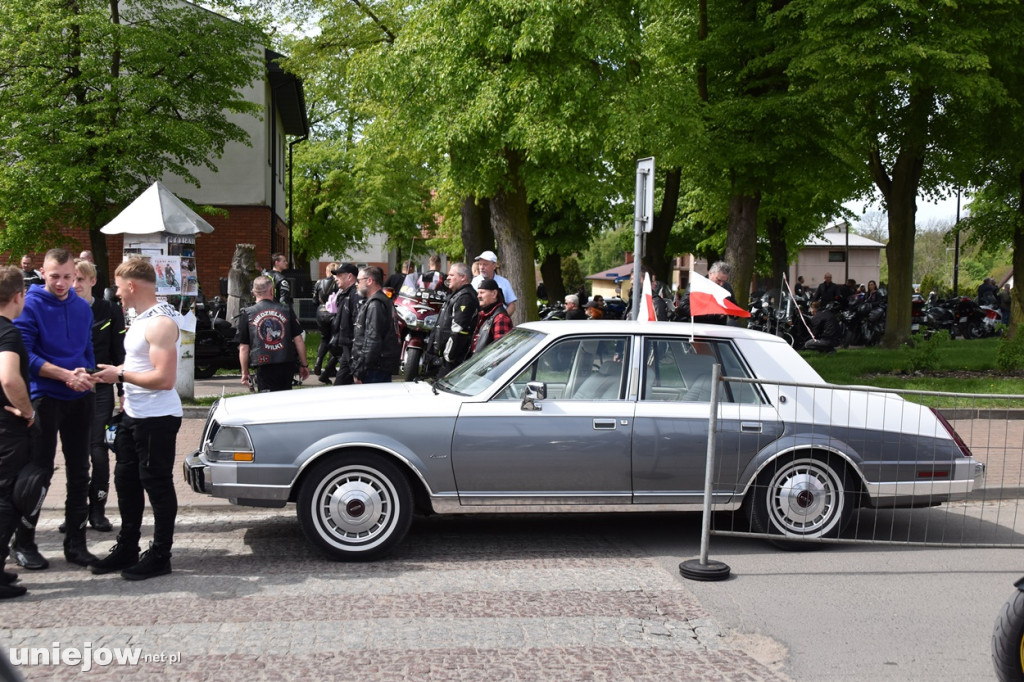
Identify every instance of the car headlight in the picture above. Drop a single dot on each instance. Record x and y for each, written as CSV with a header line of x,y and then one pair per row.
x,y
231,444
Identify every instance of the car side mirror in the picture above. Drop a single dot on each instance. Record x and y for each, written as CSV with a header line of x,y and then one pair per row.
x,y
535,390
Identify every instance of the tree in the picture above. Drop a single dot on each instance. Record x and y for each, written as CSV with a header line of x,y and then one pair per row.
x,y
886,73
509,95
99,99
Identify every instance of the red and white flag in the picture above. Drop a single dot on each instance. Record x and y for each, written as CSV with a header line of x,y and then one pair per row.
x,y
707,298
646,310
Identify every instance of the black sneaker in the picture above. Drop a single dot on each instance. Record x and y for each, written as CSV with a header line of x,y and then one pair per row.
x,y
29,557
6,578
121,556
150,565
11,591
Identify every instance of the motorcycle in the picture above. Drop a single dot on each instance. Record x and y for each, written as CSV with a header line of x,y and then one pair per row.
x,y
1008,637
417,314
552,311
975,321
216,344
864,323
940,316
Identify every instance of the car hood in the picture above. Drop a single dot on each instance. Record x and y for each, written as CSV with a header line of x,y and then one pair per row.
x,y
407,399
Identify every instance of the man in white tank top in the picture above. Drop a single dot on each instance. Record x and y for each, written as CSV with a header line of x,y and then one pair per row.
x,y
145,441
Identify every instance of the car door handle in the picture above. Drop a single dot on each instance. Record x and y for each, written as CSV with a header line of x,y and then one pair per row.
x,y
604,423
750,427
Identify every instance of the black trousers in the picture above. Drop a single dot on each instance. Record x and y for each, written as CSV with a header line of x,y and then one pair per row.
x,y
277,377
325,323
98,452
145,466
15,451
71,419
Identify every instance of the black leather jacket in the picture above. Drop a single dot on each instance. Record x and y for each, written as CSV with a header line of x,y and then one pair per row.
x,y
343,327
107,332
452,338
375,345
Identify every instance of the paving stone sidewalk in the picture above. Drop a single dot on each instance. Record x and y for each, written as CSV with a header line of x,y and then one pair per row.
x,y
250,600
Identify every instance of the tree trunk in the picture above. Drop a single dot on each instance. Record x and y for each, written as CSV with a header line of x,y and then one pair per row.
x,y
551,273
900,254
98,245
656,258
1017,292
477,235
509,219
741,244
775,229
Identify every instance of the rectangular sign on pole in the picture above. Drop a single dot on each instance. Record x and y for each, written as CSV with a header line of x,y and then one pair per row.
x,y
645,194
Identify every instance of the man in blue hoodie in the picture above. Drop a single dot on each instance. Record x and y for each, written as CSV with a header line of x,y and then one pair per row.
x,y
56,326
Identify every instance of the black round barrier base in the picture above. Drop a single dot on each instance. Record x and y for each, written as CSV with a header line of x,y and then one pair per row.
x,y
710,572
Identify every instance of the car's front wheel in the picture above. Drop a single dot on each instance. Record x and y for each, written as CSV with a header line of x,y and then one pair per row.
x,y
355,507
804,497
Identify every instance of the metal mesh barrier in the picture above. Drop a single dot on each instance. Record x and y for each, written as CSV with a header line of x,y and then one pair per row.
x,y
841,464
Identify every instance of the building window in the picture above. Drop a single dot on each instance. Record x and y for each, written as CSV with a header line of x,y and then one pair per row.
x,y
836,256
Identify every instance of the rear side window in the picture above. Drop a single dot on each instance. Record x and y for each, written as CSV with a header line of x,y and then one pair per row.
x,y
678,370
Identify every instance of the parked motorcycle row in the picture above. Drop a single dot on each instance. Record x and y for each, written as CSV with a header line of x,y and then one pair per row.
x,y
863,322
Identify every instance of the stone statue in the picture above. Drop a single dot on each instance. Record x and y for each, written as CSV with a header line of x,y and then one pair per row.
x,y
243,272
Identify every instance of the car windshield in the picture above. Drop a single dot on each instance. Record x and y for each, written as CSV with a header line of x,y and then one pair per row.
x,y
481,371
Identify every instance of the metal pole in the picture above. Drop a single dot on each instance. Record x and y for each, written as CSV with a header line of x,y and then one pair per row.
x,y
702,569
956,248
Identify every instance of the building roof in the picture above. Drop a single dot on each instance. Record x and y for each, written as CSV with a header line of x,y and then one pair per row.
x,y
838,239
612,274
288,96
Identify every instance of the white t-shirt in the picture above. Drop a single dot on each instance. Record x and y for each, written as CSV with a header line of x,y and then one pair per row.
x,y
506,287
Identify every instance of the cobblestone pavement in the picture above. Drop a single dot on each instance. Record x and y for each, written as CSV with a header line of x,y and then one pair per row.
x,y
249,599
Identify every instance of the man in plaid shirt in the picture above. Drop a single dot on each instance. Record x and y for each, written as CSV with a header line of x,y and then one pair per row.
x,y
494,321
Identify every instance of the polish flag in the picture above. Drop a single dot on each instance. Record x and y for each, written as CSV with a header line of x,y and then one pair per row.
x,y
646,310
707,298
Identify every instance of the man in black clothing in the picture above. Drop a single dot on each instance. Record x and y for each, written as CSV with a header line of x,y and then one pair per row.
x,y
322,292
270,339
16,417
282,287
375,348
572,308
452,337
29,274
827,291
346,306
108,349
826,329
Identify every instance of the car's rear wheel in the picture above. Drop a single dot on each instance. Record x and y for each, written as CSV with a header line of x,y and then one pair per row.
x,y
804,497
355,507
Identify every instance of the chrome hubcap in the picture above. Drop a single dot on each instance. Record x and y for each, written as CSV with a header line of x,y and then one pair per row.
x,y
806,498
356,505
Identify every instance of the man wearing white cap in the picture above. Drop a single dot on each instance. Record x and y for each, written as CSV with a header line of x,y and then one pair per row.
x,y
487,262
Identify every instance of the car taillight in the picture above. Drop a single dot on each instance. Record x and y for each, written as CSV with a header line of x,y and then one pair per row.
x,y
964,450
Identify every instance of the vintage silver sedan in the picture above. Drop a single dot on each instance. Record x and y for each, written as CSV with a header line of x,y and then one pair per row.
x,y
582,416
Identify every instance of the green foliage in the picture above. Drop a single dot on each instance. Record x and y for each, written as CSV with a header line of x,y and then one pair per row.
x,y
572,275
95,105
922,354
606,250
929,283
1010,353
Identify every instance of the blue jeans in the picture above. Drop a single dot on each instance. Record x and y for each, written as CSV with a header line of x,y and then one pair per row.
x,y
376,376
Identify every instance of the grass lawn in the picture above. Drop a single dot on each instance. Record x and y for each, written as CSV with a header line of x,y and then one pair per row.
x,y
941,364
